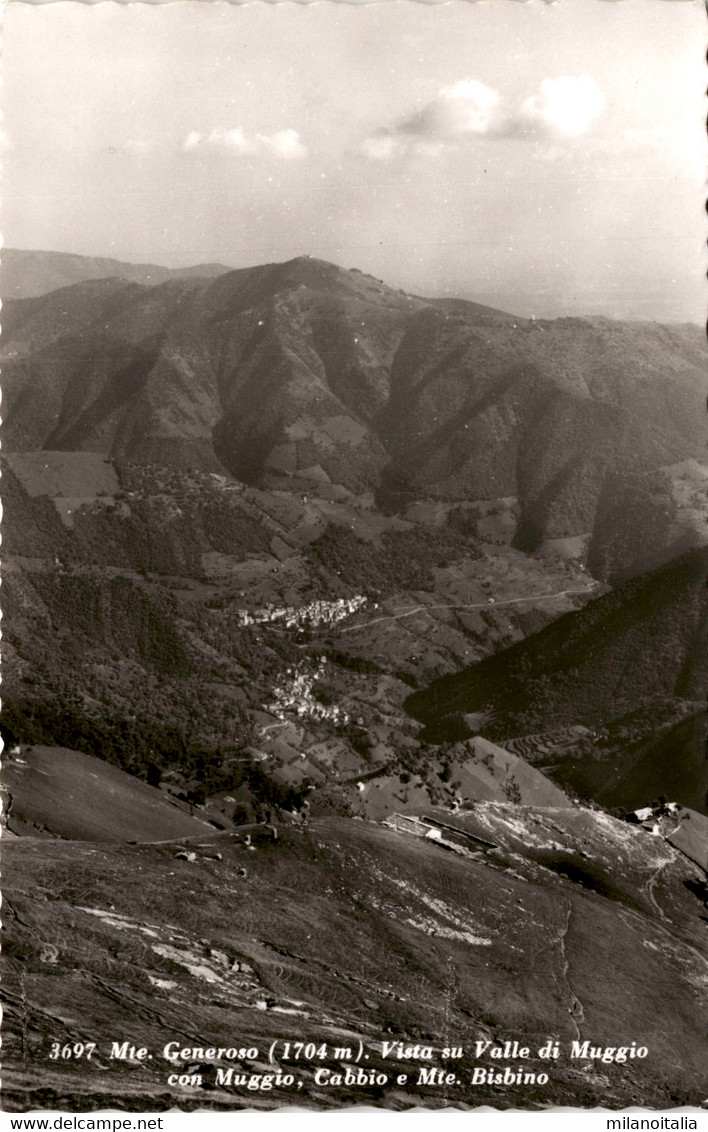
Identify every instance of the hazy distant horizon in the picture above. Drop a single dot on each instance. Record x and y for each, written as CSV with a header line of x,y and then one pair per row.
x,y
497,152
523,305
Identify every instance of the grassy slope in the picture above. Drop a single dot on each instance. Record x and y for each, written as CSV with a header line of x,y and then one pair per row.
x,y
365,933
68,794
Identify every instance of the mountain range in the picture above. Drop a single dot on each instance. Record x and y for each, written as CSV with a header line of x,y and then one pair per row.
x,y
27,274
577,426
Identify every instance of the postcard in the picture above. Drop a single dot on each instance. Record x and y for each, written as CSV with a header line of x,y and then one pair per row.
x,y
355,557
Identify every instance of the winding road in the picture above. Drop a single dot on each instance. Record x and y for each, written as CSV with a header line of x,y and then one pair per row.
x,y
466,605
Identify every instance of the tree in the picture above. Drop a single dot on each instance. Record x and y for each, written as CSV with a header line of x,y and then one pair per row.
x,y
241,814
153,775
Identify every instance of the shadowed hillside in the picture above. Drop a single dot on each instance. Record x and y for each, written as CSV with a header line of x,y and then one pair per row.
x,y
623,665
644,640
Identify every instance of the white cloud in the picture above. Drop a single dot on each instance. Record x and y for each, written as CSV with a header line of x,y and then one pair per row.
x,y
283,144
562,107
383,146
566,105
466,108
192,140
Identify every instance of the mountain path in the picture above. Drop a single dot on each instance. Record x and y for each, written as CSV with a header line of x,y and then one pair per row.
x,y
649,889
575,1010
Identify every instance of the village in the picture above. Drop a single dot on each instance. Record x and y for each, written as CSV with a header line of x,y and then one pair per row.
x,y
294,694
312,616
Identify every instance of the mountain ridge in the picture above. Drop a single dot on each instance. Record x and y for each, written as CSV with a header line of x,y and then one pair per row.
x,y
271,371
27,273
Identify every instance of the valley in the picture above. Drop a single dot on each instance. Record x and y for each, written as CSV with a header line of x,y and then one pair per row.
x,y
342,630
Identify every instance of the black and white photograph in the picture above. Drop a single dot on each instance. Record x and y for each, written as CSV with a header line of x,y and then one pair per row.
x,y
355,557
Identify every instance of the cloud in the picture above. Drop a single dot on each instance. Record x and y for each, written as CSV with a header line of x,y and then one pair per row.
x,y
567,105
283,144
466,108
384,145
562,107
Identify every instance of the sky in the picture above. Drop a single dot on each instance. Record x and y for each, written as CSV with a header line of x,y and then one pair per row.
x,y
549,158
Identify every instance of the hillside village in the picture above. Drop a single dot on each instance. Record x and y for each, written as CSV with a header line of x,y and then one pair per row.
x,y
293,695
314,615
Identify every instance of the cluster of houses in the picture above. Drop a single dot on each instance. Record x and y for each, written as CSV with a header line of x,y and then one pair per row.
x,y
682,827
650,816
310,616
293,696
